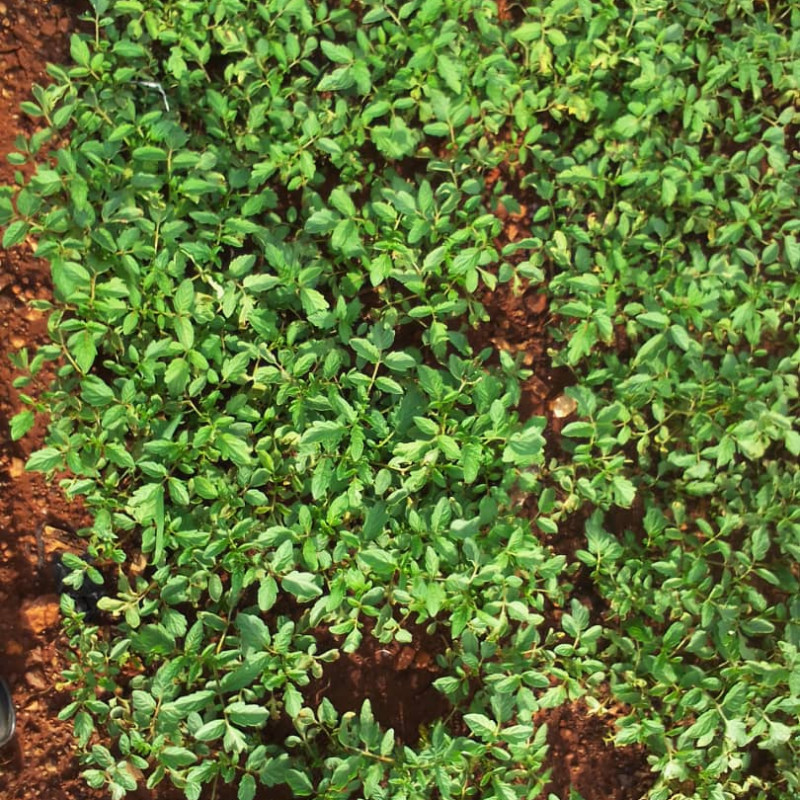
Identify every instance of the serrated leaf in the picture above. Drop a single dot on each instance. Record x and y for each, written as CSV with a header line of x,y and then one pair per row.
x,y
450,71
396,140
247,714
653,319
366,350
341,201
346,238
149,153
324,432
338,80
153,639
177,376
15,233
627,126
176,757
313,301
44,460
210,731
188,703
236,449
302,585
525,447
528,32
624,491
21,423
378,561
247,787
669,191
96,392
79,50
481,726
579,430
399,362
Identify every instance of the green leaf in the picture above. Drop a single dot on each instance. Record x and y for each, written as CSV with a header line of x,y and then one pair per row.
x,y
483,727
399,362
338,80
96,392
247,787
302,585
79,50
669,191
299,783
149,153
210,731
322,221
338,53
313,301
261,283
579,430
176,757
83,727
15,233
246,714
346,238
84,351
152,640
624,491
189,703
341,201
792,249
525,447
627,126
681,337
366,350
21,423
236,449
177,376
146,506
71,280
450,72
254,632
704,725
184,296
44,460
653,319
528,32
267,593
378,561
471,461
324,432
253,669
396,140
649,348
760,543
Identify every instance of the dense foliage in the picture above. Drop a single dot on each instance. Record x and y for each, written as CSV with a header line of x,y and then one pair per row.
x,y
269,224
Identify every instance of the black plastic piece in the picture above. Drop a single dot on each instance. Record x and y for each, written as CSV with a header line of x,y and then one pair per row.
x,y
8,717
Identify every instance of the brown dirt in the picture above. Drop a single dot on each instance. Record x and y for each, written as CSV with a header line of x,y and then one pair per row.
x,y
582,757
396,678
38,764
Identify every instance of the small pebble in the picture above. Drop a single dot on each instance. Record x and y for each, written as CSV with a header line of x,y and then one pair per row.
x,y
40,613
36,680
563,406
